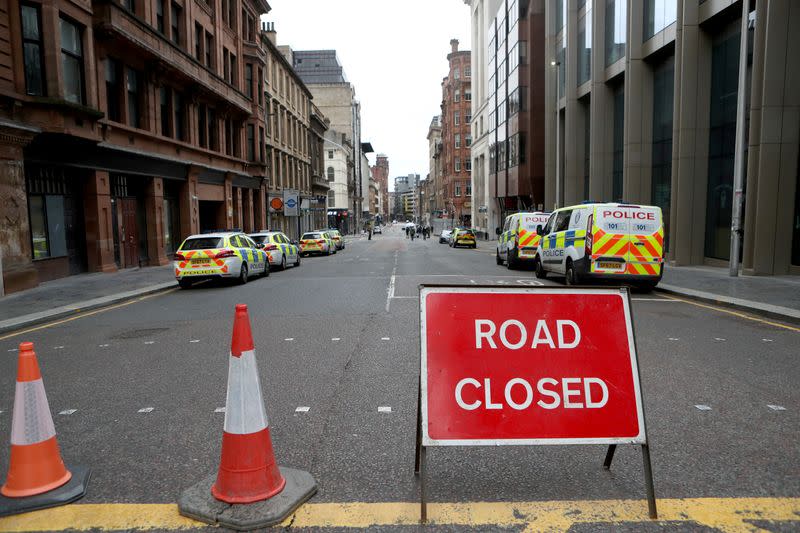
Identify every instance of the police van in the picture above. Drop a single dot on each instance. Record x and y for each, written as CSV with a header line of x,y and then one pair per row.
x,y
611,241
518,240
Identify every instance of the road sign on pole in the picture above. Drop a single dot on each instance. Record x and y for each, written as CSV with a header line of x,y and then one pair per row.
x,y
291,203
528,366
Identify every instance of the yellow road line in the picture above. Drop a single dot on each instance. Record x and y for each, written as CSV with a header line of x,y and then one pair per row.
x,y
729,515
734,313
83,315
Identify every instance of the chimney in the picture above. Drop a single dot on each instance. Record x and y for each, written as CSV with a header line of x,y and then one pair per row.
x,y
454,45
269,29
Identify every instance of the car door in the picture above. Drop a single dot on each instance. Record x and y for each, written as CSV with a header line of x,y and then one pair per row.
x,y
259,262
561,231
291,249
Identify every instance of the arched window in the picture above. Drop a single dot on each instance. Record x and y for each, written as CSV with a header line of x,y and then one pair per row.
x,y
330,174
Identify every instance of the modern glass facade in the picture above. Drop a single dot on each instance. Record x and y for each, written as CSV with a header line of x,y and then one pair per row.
x,y
661,179
619,142
658,14
796,219
616,30
585,45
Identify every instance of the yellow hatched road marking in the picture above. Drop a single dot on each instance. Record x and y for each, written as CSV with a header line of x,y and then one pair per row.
x,y
730,515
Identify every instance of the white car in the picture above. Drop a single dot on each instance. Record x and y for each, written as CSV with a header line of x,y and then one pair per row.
x,y
230,255
444,238
280,249
377,229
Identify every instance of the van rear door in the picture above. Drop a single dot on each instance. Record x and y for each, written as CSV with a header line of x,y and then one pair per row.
x,y
627,240
646,248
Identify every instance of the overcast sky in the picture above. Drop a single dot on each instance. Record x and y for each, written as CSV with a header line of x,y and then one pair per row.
x,y
395,54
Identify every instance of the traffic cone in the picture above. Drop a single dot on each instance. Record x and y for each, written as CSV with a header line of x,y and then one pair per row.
x,y
260,492
35,468
247,469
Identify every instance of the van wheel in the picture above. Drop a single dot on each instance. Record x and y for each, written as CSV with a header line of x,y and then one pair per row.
x,y
511,262
647,286
184,283
541,273
571,276
242,274
498,259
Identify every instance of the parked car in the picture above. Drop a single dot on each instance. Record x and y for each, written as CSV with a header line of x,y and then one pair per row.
x,y
444,238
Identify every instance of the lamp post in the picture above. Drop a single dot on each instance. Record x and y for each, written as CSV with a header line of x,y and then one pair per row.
x,y
557,65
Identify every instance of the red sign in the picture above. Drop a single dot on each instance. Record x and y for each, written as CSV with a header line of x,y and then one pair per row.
x,y
528,366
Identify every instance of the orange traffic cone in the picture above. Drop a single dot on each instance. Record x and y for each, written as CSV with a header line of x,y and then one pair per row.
x,y
35,467
247,470
261,493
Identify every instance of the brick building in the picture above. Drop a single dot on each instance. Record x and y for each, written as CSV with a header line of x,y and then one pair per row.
x,y
380,173
126,126
456,163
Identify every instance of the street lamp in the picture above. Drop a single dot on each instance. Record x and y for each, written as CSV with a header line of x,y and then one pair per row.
x,y
557,65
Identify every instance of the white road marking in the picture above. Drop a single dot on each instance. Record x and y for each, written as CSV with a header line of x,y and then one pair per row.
x,y
67,411
473,282
13,350
58,347
776,407
103,345
673,339
194,340
385,338
384,409
289,339
219,410
530,282
767,340
336,339
720,339
302,409
390,290
703,407
149,342
405,297
655,300
146,410
1,412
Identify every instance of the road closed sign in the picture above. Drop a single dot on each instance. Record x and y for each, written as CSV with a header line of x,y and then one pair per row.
x,y
528,365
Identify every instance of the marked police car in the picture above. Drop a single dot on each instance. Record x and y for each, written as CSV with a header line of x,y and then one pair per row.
x,y
608,241
337,238
316,242
279,248
518,240
230,255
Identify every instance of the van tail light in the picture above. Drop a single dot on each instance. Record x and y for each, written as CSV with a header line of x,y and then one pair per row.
x,y
223,254
270,247
589,240
179,257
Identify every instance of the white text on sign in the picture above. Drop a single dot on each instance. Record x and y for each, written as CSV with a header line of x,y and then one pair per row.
x,y
513,334
570,394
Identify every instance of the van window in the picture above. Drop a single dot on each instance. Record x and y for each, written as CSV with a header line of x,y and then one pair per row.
x,y
529,221
507,224
562,222
550,223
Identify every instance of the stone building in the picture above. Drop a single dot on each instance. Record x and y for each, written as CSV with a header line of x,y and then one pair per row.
x,y
126,126
434,167
456,136
380,172
646,93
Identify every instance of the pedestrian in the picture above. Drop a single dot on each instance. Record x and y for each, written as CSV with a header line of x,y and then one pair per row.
x,y
413,233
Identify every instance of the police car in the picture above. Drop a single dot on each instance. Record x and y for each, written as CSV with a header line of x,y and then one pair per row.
x,y
316,242
463,237
518,240
279,248
337,238
230,255
603,241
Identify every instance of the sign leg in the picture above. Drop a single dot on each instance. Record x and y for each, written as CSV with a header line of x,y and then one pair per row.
x,y
423,501
609,456
419,432
648,478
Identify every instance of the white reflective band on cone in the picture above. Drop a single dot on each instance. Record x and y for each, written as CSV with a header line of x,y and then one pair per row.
x,y
244,412
31,422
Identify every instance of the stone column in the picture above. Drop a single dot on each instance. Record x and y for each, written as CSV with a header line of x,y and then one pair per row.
x,y
98,221
154,215
573,132
260,208
188,203
238,212
247,209
635,89
15,238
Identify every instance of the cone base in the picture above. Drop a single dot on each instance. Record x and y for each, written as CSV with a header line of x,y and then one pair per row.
x,y
197,503
73,490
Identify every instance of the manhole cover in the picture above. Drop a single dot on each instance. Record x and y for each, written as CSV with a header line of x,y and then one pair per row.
x,y
139,333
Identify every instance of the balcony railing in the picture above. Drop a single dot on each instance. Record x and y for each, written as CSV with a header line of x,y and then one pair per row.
x,y
112,18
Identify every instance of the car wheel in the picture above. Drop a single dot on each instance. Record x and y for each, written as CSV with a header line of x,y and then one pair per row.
x,y
498,259
474,246
297,263
541,273
184,283
283,263
571,277
242,274
264,273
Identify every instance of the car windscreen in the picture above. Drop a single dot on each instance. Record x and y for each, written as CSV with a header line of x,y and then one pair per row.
x,y
260,239
202,243
312,236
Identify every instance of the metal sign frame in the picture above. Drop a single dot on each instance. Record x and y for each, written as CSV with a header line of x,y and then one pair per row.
x,y
423,440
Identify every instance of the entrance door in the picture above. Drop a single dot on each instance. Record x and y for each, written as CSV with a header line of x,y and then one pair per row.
x,y
129,233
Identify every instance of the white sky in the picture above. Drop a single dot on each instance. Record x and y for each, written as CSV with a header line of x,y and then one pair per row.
x,y
394,52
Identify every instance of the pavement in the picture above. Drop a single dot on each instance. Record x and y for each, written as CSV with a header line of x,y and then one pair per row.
x,y
136,393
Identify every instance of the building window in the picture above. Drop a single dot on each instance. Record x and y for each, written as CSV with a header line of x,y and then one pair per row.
x,y
134,88
175,22
32,50
213,130
458,140
209,50
165,97
260,86
457,164
458,189
202,125
251,142
234,73
616,30
585,47
198,42
48,232
662,140
226,66
468,165
457,95
456,118
72,61
330,154
331,174
130,5
180,116
658,14
468,95
248,80
561,13
456,73
160,16
113,90
469,186
619,133
468,118
468,140
228,137
467,72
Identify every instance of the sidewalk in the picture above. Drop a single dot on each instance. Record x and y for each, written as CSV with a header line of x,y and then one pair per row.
x,y
778,296
66,296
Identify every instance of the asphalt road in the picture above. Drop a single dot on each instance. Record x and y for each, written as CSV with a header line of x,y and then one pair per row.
x,y
340,336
